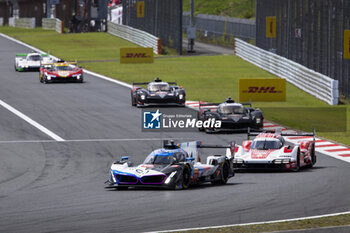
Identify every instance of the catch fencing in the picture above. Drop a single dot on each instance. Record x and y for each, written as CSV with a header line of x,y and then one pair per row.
x,y
316,84
309,32
53,24
161,18
135,36
213,27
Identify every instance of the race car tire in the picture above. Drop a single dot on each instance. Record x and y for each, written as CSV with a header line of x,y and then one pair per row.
x,y
133,102
16,68
313,156
298,161
45,80
225,173
186,177
40,79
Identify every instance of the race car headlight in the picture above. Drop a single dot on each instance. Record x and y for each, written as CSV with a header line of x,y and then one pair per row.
x,y
143,97
170,177
277,161
181,96
286,160
258,120
49,77
238,161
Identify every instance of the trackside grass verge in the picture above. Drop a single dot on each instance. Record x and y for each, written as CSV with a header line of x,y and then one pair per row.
x,y
341,220
205,78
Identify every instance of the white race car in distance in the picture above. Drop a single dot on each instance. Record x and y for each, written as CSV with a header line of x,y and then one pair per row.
x,y
268,150
31,61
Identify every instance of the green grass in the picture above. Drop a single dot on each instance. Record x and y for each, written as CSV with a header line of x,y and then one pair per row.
x,y
206,78
341,220
231,8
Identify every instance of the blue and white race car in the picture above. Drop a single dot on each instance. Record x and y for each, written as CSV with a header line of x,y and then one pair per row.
x,y
173,167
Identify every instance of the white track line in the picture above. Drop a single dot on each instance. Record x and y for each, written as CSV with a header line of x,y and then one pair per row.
x,y
32,122
95,140
255,223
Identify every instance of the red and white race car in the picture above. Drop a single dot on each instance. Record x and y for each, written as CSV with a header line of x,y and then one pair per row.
x,y
269,150
61,72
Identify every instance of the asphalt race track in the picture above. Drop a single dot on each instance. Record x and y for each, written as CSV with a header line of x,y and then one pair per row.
x,y
50,186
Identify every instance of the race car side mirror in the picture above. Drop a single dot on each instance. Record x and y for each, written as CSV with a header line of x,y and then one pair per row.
x,y
190,159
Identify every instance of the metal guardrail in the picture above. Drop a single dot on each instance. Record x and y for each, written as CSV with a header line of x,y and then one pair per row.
x,y
135,36
22,22
1,21
316,84
52,24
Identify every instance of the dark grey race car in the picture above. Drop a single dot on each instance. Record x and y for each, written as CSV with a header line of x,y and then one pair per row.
x,y
157,93
233,116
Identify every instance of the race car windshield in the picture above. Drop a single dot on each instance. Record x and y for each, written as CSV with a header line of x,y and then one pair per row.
x,y
35,58
266,145
159,159
158,87
231,109
63,68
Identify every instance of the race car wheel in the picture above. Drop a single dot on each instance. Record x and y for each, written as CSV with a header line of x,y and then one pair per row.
x,y
40,79
186,177
16,68
298,161
313,156
133,102
224,175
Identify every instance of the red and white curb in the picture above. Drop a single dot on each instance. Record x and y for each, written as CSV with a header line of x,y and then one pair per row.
x,y
322,146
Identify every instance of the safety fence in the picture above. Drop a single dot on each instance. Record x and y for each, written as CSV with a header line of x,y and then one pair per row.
x,y
135,36
215,27
314,83
53,24
161,18
1,21
22,22
309,32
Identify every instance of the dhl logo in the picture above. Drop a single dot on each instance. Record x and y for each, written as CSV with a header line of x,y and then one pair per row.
x,y
136,55
261,90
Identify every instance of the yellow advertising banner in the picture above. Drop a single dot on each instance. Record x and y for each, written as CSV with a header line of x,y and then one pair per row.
x,y
141,9
136,55
346,44
262,90
271,27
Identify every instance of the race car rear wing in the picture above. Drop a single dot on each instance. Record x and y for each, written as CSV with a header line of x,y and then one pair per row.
x,y
279,132
146,83
192,148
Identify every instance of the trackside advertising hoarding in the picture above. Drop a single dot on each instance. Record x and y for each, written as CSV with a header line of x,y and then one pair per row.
x,y
262,90
136,55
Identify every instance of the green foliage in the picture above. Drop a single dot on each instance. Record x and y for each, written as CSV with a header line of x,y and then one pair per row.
x,y
231,8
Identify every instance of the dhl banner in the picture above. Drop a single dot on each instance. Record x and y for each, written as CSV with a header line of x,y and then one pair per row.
x,y
346,44
262,90
271,27
136,55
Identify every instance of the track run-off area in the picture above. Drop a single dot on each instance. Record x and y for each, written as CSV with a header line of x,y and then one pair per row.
x,y
55,182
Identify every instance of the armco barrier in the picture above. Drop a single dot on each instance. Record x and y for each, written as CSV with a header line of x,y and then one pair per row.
x,y
53,24
1,21
316,84
22,22
135,36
